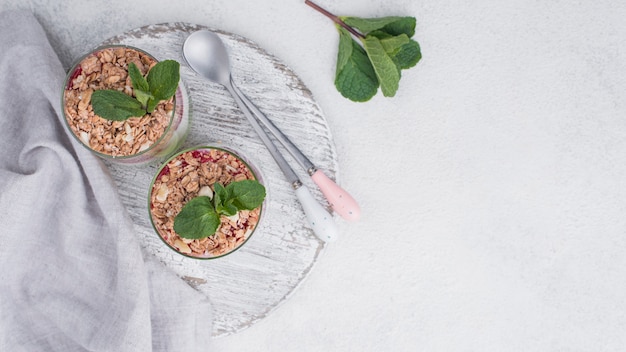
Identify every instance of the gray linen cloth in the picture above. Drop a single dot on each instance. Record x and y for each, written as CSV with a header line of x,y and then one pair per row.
x,y
73,276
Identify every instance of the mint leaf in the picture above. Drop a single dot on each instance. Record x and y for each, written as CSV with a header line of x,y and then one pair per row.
x,y
220,196
163,79
355,78
228,208
394,25
366,25
387,72
346,46
223,200
152,103
405,25
408,55
197,219
115,105
139,82
143,98
246,194
404,52
140,85
239,195
393,43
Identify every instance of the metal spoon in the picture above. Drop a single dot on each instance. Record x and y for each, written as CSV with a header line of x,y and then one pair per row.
x,y
206,54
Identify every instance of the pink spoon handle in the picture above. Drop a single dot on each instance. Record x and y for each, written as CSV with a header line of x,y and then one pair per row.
x,y
341,202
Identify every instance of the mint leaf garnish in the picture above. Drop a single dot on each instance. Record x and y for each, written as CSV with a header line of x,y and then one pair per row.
x,y
388,46
200,217
115,105
163,80
140,85
139,82
223,200
160,84
246,194
197,219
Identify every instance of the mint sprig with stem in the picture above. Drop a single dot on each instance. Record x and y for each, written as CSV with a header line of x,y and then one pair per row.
x,y
160,84
200,217
383,50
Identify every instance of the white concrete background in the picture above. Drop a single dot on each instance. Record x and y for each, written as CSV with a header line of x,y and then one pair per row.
x,y
493,186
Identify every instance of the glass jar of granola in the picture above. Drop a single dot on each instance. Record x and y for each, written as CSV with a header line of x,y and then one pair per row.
x,y
138,139
196,172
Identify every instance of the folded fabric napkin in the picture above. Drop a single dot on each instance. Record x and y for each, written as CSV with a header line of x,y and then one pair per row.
x,y
73,276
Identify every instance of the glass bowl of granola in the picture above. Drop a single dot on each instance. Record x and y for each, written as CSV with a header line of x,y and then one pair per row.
x,y
143,117
206,202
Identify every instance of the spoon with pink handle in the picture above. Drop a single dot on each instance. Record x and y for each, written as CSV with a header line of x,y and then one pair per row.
x,y
206,54
340,200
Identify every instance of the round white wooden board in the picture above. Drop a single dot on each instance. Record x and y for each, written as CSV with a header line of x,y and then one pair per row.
x,y
247,285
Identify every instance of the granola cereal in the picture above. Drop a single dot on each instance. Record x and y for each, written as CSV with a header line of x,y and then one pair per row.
x,y
194,173
108,69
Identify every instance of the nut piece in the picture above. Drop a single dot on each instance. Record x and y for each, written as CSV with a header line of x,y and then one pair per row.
x,y
205,191
162,193
84,137
182,246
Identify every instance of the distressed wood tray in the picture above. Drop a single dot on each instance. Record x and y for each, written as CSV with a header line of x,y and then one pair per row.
x,y
249,284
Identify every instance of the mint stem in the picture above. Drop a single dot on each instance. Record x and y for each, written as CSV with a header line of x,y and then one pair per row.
x,y
335,19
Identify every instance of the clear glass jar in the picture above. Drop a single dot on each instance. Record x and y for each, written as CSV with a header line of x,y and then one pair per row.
x,y
137,140
186,175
